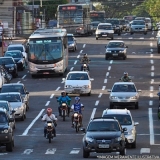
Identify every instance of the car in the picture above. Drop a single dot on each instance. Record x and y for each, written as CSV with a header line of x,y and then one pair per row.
x,y
104,30
103,135
2,79
6,134
18,57
10,65
116,49
115,24
17,103
52,23
158,44
77,82
125,119
94,25
20,47
138,26
6,105
72,44
124,94
17,87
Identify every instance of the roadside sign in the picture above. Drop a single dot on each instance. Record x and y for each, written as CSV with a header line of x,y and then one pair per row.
x,y
10,8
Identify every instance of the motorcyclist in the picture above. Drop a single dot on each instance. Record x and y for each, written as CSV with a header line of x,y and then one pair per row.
x,y
64,98
77,107
85,60
125,78
49,116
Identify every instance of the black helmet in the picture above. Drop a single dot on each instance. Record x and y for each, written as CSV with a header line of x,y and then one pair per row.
x,y
85,55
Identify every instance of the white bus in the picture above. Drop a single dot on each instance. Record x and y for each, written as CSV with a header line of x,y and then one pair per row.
x,y
47,52
75,18
97,16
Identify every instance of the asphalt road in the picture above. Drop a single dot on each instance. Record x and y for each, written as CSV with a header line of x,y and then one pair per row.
x,y
142,64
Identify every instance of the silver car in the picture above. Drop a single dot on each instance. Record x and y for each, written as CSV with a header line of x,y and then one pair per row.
x,y
72,44
17,103
125,119
124,94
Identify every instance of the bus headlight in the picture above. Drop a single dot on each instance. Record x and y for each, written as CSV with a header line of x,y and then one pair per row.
x,y
68,86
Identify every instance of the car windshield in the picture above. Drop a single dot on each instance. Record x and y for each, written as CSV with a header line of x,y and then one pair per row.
x,y
4,105
138,23
3,118
123,119
6,61
106,27
77,76
113,22
70,38
124,88
115,45
15,88
15,48
13,54
10,98
103,126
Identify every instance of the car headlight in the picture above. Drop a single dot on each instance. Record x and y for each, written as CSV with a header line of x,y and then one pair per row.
x,y
118,139
86,86
71,44
88,139
32,66
20,61
108,51
121,51
5,131
12,68
134,97
68,86
113,97
131,131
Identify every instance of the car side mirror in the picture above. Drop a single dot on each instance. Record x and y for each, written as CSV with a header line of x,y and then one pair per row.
x,y
109,90
27,92
91,79
63,79
11,119
136,123
13,111
139,90
124,129
83,130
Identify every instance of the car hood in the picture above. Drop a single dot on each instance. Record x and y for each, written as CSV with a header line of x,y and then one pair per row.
x,y
70,42
15,104
17,59
115,49
9,65
3,126
77,82
103,135
123,94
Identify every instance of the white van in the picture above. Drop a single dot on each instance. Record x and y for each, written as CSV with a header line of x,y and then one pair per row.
x,y
149,23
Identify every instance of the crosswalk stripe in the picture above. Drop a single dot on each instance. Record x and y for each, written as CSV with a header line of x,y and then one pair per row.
x,y
144,150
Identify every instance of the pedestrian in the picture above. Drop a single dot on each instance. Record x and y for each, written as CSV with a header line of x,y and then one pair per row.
x,y
18,26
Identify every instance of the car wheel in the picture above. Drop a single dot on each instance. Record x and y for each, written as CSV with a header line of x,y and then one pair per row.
x,y
14,127
134,144
85,154
111,106
89,94
96,38
9,146
136,106
106,58
22,68
123,152
74,49
27,107
111,38
131,33
158,50
33,76
23,117
124,58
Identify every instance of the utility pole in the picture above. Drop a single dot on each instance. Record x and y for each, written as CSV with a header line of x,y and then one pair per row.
x,y
33,11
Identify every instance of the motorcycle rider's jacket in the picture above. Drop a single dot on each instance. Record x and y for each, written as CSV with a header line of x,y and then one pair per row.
x,y
46,118
64,99
77,107
125,79
85,60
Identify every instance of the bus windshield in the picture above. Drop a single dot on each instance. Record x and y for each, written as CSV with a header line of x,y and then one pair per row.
x,y
97,17
45,49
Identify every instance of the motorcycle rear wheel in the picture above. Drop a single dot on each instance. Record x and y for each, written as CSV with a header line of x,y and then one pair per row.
x,y
63,115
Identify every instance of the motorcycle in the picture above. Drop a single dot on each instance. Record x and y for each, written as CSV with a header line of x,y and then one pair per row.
x,y
64,110
130,80
76,121
50,128
7,76
85,67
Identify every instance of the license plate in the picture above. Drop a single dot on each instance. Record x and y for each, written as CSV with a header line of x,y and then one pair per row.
x,y
45,72
77,90
104,35
103,145
115,54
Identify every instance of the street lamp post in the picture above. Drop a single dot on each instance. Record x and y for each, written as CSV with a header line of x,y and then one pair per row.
x,y
33,11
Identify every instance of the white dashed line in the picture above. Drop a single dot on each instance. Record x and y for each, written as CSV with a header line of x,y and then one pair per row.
x,y
23,76
105,80
150,103
75,62
152,38
47,103
107,74
130,38
100,95
78,56
151,61
151,88
75,151
152,74
133,52
104,87
71,68
81,51
84,45
141,38
111,61
109,68
152,81
52,95
151,44
97,102
57,88
93,113
151,130
152,68
151,55
151,95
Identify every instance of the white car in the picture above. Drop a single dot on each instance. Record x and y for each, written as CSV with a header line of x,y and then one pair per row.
x,y
77,82
2,80
125,119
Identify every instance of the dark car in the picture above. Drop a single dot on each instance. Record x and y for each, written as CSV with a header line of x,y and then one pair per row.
x,y
6,131
116,49
10,65
158,44
103,135
17,87
116,25
18,57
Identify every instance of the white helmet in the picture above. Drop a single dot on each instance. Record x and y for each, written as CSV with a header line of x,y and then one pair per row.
x,y
125,73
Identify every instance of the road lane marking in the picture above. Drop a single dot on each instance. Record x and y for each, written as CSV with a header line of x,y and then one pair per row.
x,y
144,150
105,80
151,130
141,38
130,38
107,74
100,95
75,62
151,44
152,68
104,87
109,68
151,55
97,102
32,123
27,151
71,69
47,103
152,74
151,88
23,76
78,56
19,82
57,88
81,51
84,45
51,151
133,52
151,61
93,113
151,95
75,151
152,81
111,61
52,95
151,103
